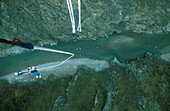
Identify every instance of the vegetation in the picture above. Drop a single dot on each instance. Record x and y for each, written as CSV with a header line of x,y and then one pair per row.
x,y
33,96
142,84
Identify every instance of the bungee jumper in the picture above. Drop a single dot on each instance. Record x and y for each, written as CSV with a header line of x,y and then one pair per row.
x,y
34,71
31,46
18,43
30,69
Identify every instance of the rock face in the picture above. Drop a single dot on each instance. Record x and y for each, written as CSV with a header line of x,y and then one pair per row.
x,y
140,85
47,21
85,92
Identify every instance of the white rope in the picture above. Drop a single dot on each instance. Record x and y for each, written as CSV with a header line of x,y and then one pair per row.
x,y
57,51
70,8
79,8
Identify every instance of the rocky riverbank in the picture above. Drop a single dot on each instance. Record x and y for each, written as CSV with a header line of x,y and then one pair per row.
x,y
141,84
47,22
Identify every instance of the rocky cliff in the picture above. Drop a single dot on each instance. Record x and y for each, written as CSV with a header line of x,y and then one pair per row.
x,y
139,85
47,21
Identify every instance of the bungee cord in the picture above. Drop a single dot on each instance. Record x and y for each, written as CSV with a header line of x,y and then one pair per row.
x,y
56,51
79,8
70,8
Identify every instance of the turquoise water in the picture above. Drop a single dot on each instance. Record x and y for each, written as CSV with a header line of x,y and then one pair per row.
x,y
123,46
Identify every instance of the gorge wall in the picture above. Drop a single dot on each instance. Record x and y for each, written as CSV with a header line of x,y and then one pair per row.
x,y
47,21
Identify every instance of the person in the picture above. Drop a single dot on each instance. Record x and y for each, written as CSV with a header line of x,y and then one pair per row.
x,y
34,71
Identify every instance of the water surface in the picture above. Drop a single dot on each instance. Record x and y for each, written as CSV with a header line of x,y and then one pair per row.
x,y
123,46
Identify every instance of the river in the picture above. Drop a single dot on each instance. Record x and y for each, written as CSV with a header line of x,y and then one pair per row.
x,y
123,46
